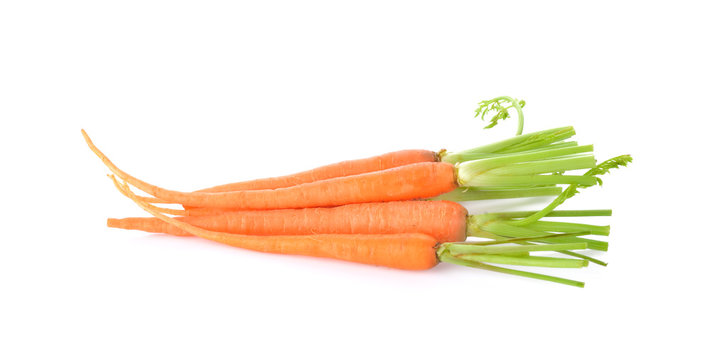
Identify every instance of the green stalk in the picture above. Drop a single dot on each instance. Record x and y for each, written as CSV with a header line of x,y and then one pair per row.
x,y
555,213
540,261
526,180
520,143
481,156
584,257
537,147
566,227
446,257
473,193
546,166
591,244
490,227
467,248
502,229
602,168
480,166
562,239
541,167
566,237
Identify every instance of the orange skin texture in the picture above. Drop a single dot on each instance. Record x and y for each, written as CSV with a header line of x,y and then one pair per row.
x,y
344,168
443,220
399,251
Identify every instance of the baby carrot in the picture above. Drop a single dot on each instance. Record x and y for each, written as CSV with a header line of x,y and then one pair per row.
x,y
547,139
537,140
444,220
414,181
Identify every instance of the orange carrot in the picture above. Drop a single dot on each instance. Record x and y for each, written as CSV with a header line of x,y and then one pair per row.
x,y
536,140
344,168
444,220
419,180
400,251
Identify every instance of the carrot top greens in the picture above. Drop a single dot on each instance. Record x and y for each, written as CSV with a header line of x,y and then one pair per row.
x,y
502,111
532,234
482,254
539,140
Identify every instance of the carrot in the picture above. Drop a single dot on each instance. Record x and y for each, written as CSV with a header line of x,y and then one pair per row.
x,y
411,251
414,181
547,139
401,158
446,221
344,168
423,180
536,140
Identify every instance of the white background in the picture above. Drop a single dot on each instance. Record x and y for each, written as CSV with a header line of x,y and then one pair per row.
x,y
191,94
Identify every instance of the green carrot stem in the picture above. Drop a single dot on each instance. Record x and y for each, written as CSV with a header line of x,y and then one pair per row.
x,y
546,166
591,244
519,240
524,180
518,106
540,261
567,227
471,156
584,257
467,248
564,239
600,169
473,193
444,257
548,240
480,166
515,144
501,230
555,213
557,145
504,229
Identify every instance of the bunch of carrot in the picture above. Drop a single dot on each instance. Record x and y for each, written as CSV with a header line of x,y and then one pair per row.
x,y
398,209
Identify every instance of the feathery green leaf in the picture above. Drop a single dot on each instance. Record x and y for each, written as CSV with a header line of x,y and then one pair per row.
x,y
499,107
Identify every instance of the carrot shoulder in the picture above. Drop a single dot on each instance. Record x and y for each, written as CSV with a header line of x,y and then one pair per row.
x,y
419,180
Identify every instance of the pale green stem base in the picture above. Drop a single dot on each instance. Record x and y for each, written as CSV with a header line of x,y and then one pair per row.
x,y
474,193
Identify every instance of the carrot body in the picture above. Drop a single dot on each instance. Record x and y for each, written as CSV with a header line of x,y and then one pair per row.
x,y
414,181
344,168
444,220
400,251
